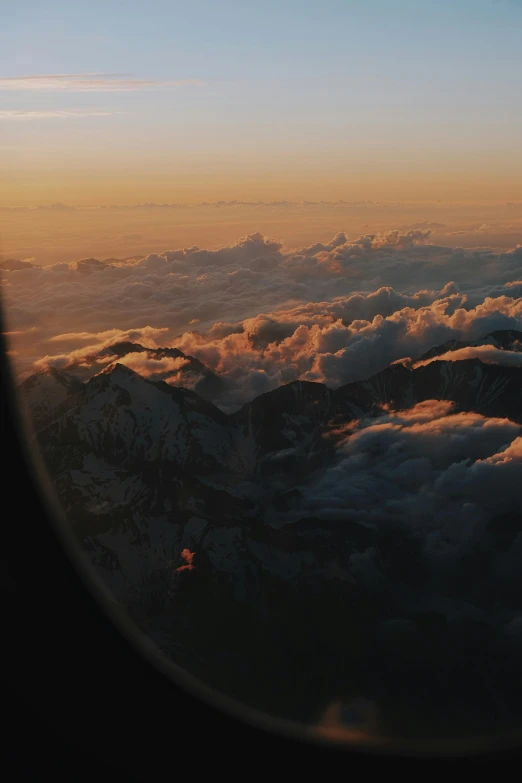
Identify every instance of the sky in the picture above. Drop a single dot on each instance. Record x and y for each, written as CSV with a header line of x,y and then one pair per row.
x,y
165,101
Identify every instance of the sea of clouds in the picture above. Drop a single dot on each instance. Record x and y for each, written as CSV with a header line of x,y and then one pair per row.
x,y
261,315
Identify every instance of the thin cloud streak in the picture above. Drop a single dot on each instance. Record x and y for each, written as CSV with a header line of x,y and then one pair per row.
x,y
15,114
87,82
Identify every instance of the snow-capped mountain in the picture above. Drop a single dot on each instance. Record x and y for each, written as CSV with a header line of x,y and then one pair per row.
x,y
192,372
207,529
128,418
44,392
505,339
489,389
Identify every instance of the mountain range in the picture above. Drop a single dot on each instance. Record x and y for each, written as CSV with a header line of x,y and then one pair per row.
x,y
201,525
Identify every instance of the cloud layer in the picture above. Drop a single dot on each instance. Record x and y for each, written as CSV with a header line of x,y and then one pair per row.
x,y
261,315
488,354
440,471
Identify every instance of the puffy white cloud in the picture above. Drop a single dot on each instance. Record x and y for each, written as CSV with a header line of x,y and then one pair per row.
x,y
89,359
310,344
167,366
486,353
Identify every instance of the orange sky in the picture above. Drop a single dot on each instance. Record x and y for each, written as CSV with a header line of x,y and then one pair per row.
x,y
86,177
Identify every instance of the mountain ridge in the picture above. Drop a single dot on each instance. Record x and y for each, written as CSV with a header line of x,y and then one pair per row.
x,y
203,526
370,392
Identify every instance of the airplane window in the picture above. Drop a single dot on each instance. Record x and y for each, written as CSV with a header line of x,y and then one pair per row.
x,y
261,275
